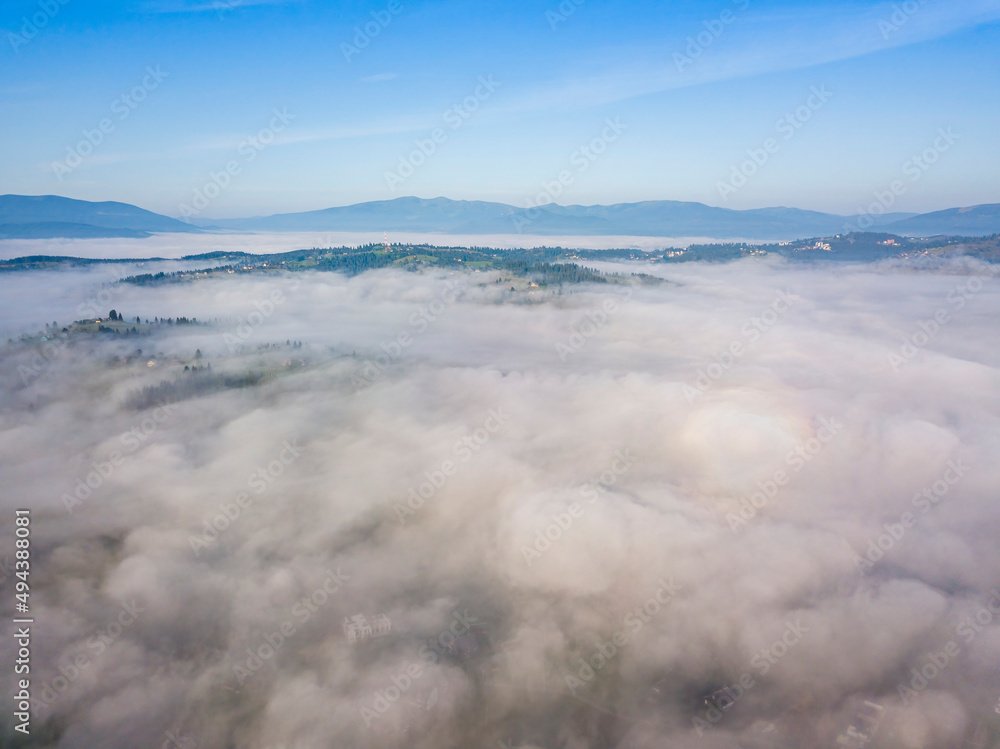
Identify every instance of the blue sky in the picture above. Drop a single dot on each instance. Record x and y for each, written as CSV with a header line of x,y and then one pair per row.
x,y
689,108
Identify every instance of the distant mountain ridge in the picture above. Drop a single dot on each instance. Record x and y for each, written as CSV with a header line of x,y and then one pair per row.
x,y
77,214
971,221
50,216
665,218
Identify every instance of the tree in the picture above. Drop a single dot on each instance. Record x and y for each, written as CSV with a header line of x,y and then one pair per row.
x,y
197,353
113,315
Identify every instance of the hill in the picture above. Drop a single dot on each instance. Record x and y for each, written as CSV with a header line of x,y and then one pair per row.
x,y
72,216
980,219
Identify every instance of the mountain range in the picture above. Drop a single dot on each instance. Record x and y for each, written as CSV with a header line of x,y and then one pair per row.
x,y
53,216
49,216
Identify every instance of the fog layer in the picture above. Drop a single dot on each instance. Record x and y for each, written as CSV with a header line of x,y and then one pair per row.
x,y
582,509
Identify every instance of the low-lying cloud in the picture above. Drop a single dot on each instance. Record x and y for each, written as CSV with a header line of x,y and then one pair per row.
x,y
590,543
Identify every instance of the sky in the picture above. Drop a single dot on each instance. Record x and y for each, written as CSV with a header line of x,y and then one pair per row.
x,y
280,106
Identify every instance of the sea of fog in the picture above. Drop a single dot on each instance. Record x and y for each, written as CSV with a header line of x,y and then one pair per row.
x,y
581,510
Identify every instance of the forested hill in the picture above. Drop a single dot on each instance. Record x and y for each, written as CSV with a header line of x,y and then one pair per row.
x,y
537,265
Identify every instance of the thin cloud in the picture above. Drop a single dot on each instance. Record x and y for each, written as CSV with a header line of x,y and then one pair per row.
x,y
758,43
216,6
379,77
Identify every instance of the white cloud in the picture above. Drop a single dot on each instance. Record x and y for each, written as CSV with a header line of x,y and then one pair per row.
x,y
380,77
665,518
